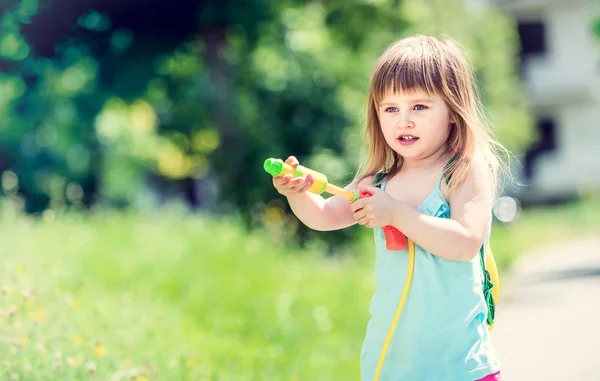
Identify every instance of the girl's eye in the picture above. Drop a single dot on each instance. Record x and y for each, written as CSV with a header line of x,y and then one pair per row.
x,y
420,107
391,109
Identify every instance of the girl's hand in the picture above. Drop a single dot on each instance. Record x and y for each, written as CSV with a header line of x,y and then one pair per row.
x,y
375,211
288,185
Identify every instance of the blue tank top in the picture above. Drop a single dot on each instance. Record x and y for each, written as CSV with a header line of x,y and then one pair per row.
x,y
442,333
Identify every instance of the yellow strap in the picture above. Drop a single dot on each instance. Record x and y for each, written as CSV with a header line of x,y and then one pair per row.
x,y
492,268
411,267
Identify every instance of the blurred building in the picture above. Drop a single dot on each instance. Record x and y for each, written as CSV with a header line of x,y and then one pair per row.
x,y
560,66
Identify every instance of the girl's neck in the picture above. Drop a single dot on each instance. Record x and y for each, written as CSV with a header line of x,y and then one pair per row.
x,y
433,161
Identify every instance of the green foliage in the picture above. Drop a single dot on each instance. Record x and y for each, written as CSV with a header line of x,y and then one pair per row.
x,y
118,115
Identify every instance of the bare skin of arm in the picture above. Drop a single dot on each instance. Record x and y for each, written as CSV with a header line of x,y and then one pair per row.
x,y
313,210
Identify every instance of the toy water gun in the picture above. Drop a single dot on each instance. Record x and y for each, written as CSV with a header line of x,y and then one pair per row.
x,y
394,239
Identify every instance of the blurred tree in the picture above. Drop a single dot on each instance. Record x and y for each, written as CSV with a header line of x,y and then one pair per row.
x,y
112,102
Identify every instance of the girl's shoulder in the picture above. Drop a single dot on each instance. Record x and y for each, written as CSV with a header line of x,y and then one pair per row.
x,y
362,182
476,184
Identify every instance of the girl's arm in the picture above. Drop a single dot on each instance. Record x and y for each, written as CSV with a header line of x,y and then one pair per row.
x,y
324,214
458,238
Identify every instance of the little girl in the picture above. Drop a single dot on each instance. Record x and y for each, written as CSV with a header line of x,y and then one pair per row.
x,y
432,170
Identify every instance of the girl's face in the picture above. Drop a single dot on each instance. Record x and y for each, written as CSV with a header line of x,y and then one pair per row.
x,y
415,124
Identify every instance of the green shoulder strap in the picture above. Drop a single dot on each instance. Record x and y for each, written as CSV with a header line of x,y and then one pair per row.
x,y
488,285
378,177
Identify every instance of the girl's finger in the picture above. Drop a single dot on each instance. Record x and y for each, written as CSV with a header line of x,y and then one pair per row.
x,y
306,187
359,215
298,187
291,160
296,182
277,181
307,184
357,205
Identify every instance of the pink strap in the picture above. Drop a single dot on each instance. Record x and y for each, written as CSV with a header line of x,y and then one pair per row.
x,y
491,377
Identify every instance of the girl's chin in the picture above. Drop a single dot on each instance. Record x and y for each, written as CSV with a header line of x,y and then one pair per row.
x,y
408,154
411,150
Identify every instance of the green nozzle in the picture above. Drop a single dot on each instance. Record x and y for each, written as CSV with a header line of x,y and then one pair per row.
x,y
274,167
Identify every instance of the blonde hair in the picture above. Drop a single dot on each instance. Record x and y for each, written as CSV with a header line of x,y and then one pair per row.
x,y
436,66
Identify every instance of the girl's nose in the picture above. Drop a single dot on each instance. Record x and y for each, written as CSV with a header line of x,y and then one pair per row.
x,y
405,122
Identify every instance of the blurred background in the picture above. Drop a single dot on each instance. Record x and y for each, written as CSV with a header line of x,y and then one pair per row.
x,y
141,238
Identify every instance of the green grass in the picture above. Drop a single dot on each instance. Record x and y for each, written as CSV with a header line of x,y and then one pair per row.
x,y
171,297
174,300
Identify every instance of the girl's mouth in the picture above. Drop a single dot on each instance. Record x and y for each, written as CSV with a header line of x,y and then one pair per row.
x,y
407,140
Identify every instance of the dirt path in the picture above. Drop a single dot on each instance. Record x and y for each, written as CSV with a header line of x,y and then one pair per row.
x,y
548,322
